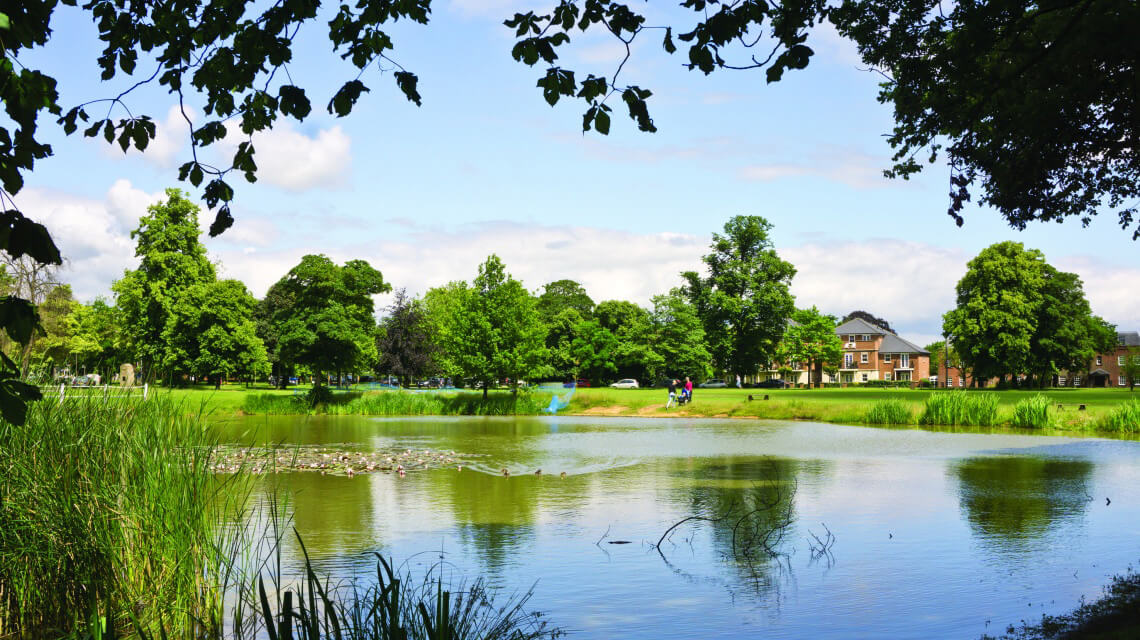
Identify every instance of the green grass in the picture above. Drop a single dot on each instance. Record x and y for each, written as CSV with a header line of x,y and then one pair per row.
x,y
955,408
108,507
400,403
1124,418
889,411
1033,413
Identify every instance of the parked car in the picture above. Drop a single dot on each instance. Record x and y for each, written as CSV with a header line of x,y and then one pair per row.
x,y
581,382
715,383
628,383
772,383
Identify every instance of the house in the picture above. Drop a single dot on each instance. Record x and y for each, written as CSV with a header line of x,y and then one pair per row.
x,y
869,353
873,353
1107,369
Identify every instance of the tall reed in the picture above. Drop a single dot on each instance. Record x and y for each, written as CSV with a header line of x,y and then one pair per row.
x,y
108,506
960,408
401,403
1125,418
1033,413
889,411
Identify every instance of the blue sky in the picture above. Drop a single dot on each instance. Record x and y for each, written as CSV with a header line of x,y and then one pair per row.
x,y
485,165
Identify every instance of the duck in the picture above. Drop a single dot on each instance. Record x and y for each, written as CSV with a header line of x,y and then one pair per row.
x,y
506,472
538,472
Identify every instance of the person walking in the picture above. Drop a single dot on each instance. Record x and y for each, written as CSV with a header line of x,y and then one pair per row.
x,y
672,393
688,389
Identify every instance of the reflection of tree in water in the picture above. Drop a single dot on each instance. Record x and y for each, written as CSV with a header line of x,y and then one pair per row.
x,y
1021,497
748,508
494,515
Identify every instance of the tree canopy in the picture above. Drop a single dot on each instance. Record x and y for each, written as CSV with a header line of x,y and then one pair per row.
x,y
403,341
1017,314
810,338
744,301
869,317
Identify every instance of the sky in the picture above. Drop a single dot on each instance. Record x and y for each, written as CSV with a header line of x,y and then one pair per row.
x,y
486,166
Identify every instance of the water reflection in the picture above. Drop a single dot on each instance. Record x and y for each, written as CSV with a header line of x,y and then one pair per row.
x,y
1010,499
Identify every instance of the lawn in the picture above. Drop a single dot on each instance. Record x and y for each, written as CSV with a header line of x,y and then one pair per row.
x,y
844,406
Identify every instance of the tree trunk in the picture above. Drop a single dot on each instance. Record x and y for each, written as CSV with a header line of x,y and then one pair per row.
x,y
218,382
485,385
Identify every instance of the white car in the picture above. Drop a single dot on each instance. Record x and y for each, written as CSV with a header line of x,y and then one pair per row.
x,y
628,383
713,384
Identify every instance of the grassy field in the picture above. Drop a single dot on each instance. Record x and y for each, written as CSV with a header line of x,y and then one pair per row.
x,y
1049,410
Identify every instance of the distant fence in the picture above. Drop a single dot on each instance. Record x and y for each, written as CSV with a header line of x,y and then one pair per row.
x,y
105,392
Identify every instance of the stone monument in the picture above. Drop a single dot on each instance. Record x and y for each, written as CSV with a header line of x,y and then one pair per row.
x,y
127,375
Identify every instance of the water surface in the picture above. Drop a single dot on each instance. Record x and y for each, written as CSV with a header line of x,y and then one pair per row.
x,y
937,534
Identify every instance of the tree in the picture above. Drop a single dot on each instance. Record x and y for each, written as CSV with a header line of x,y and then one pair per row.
x,y
58,322
564,294
1131,367
632,326
1016,314
29,280
403,342
1068,336
810,338
593,351
329,325
96,343
561,330
869,317
679,337
744,300
211,333
490,330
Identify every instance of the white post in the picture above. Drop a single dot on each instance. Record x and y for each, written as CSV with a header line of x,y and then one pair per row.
x,y
61,393
145,388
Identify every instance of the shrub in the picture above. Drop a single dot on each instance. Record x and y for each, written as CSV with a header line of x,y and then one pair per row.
x,y
1033,413
960,408
889,412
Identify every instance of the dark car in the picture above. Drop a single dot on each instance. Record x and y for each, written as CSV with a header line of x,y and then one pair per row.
x,y
581,382
772,383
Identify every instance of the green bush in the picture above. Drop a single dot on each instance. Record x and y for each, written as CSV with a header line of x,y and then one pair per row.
x,y
1125,418
1033,413
402,403
960,408
889,412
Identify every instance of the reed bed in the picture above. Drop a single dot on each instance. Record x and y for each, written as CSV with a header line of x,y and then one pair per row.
x,y
1124,418
889,412
401,403
108,508
1034,412
957,408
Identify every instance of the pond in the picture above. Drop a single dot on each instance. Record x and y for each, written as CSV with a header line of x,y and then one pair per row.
x,y
937,534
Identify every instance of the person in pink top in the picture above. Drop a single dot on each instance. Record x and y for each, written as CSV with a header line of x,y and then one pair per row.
x,y
688,389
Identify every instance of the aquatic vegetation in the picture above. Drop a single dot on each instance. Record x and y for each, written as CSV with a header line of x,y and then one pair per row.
x,y
1033,413
1124,418
889,412
401,403
109,506
959,408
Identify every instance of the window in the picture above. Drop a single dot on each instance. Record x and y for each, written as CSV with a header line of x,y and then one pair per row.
x,y
1061,381
796,365
1120,360
949,382
1120,381
866,338
851,338
863,357
1099,361
961,381
864,377
886,357
1135,359
848,360
904,361
887,376
1076,381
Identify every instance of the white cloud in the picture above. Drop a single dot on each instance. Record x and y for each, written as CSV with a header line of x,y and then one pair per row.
x,y
1111,289
853,169
92,235
171,136
294,161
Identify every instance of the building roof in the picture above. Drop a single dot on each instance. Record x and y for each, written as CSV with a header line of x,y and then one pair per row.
x,y
1128,338
861,326
1099,372
895,344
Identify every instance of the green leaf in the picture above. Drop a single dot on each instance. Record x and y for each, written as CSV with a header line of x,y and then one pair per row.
x,y
602,122
407,83
5,23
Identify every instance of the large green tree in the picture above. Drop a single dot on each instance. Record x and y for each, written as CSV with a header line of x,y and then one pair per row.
x,y
1016,314
632,326
679,337
491,329
560,295
327,324
743,301
211,333
172,260
811,339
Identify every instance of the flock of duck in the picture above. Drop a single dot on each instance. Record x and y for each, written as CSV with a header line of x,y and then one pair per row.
x,y
332,461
